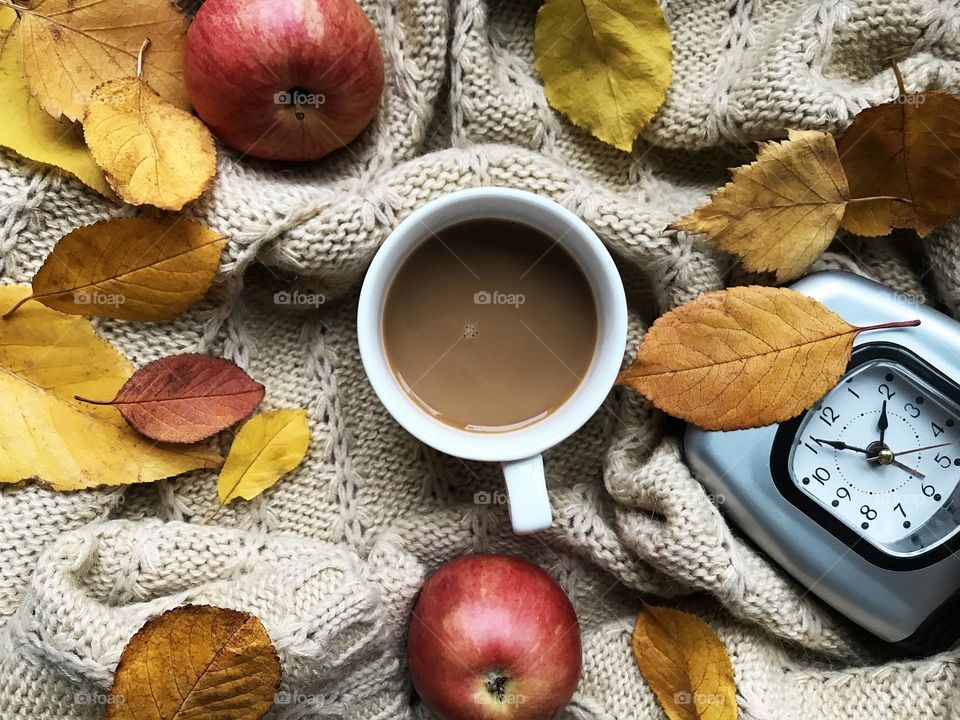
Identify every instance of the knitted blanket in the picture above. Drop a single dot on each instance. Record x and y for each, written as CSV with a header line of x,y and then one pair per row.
x,y
332,556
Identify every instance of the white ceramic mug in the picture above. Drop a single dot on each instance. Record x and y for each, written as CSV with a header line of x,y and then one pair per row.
x,y
519,451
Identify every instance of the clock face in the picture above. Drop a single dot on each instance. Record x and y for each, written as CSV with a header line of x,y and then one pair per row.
x,y
881,454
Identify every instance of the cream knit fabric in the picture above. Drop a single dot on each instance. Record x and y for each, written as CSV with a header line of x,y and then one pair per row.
x,y
332,556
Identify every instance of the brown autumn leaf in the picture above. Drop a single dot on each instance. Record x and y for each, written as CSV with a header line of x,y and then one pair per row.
x,y
70,47
129,268
46,358
186,398
152,152
743,357
780,212
685,664
909,149
196,662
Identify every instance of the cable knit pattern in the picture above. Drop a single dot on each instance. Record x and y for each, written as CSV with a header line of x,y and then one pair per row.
x,y
332,556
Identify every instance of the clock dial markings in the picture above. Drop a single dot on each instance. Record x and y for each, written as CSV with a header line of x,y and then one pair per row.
x,y
887,495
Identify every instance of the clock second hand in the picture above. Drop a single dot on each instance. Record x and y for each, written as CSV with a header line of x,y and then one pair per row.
x,y
913,450
840,445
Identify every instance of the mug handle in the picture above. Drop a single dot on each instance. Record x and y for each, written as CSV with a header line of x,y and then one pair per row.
x,y
527,495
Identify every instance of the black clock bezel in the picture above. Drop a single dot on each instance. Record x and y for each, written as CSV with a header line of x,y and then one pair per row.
x,y
786,435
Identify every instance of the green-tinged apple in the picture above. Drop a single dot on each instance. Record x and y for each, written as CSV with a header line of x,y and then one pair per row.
x,y
493,636
284,79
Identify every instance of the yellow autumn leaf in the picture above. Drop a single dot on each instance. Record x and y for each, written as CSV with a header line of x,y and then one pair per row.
x,y
605,64
27,129
152,152
70,48
61,353
266,448
685,664
129,268
45,359
780,212
197,662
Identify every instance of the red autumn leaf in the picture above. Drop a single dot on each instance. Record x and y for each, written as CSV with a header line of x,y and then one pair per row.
x,y
186,398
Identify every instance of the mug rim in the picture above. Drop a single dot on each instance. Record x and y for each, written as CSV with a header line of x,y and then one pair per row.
x,y
602,276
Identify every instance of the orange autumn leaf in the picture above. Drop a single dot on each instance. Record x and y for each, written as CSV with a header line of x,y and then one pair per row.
x,y
70,48
129,268
743,357
196,662
685,664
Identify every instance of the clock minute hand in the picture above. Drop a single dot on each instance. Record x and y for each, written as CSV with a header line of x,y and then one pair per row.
x,y
916,473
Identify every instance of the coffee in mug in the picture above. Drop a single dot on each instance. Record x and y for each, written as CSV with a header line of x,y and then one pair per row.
x,y
490,325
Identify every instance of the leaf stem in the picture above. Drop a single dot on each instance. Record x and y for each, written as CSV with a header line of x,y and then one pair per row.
x,y
11,311
93,402
212,515
143,50
18,8
880,197
887,325
896,71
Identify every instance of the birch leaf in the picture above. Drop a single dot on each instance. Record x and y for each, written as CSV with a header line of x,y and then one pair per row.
x,y
907,149
27,129
605,64
266,448
153,153
685,664
70,48
129,268
45,359
743,357
780,212
196,662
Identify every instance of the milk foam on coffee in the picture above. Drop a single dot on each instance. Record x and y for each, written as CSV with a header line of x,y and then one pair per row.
x,y
490,325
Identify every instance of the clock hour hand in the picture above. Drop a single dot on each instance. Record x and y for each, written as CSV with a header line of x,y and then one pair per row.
x,y
840,445
883,423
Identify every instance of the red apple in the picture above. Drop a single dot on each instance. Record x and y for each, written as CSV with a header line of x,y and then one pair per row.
x,y
493,637
284,79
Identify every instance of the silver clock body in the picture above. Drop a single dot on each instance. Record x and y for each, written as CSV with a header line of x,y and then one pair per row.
x,y
913,600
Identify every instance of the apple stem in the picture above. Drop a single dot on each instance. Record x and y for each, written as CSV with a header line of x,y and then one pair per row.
x,y
299,112
496,683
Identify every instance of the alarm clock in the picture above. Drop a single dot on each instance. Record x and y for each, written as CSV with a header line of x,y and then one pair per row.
x,y
858,498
